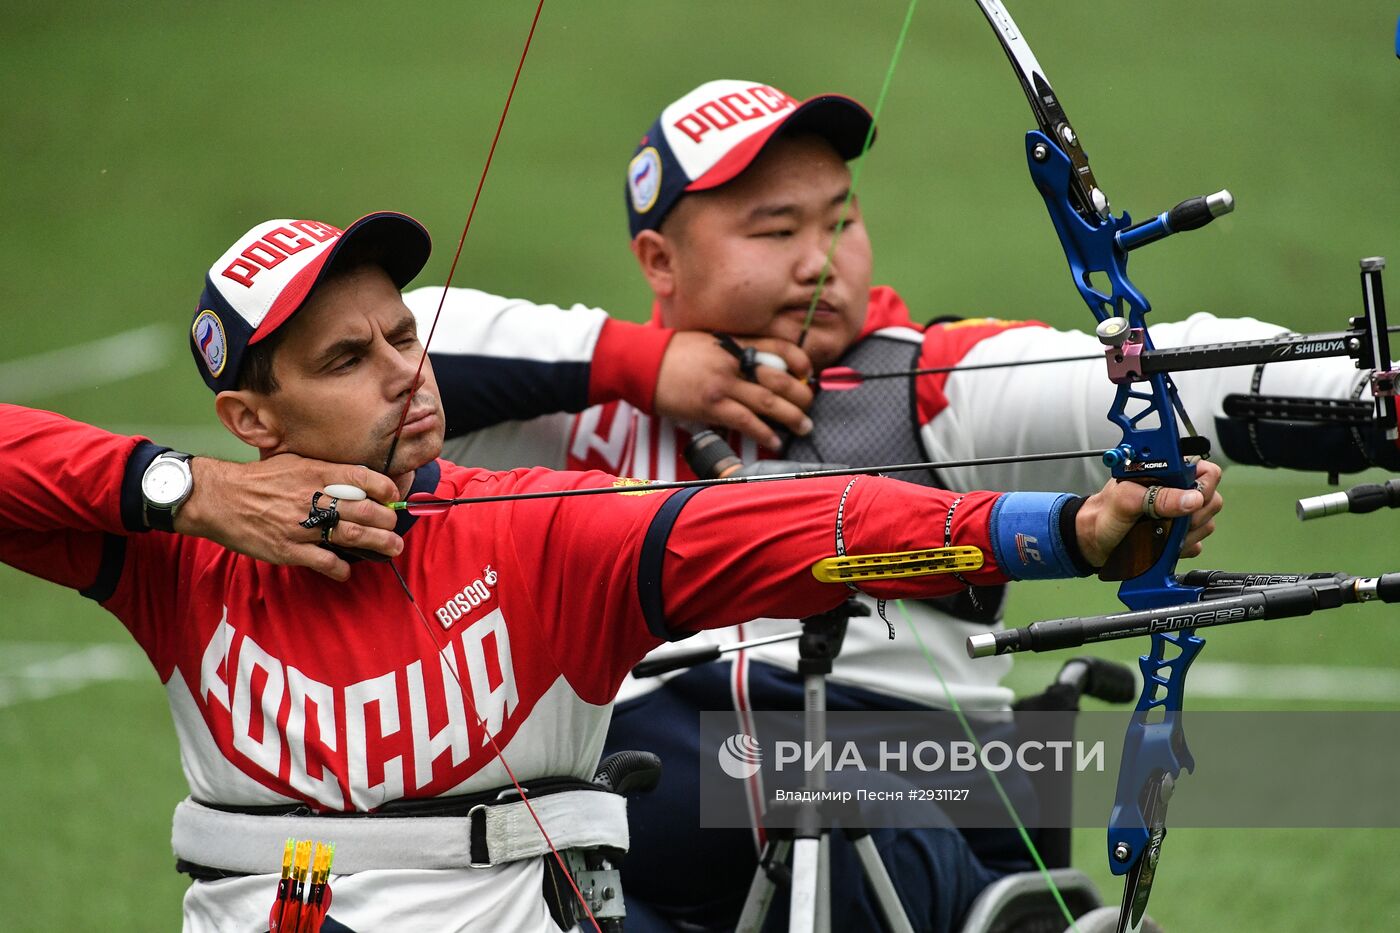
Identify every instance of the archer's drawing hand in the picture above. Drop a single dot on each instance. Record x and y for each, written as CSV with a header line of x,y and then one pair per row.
x,y
1108,515
255,509
700,383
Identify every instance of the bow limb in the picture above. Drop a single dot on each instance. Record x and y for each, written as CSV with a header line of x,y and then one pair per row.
x,y
1151,451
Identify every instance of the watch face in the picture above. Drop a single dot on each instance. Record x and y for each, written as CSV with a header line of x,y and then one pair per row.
x,y
165,482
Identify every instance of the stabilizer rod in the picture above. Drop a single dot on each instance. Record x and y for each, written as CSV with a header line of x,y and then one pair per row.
x,y
1263,602
1366,497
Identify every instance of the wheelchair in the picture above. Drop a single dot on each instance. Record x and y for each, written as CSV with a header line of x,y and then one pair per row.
x,y
1023,902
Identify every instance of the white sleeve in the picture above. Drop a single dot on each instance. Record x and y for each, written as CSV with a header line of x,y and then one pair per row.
x,y
509,372
1062,406
475,323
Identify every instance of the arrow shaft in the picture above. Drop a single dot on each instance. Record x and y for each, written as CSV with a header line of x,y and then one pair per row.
x,y
936,370
644,488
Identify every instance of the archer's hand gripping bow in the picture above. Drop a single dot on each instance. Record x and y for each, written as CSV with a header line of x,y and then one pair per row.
x,y
1096,242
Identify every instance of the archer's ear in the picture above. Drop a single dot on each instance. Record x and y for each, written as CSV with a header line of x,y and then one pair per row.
x,y
657,256
248,418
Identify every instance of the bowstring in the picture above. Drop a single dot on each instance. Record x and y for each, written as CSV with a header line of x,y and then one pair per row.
x,y
856,173
996,782
471,212
449,664
443,649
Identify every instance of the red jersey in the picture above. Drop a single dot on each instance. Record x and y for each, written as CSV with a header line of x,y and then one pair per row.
x,y
288,686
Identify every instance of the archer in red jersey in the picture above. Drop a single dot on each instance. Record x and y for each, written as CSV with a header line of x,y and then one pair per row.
x,y
298,696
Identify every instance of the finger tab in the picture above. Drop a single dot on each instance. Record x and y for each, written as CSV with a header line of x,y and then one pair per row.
x,y
346,492
771,360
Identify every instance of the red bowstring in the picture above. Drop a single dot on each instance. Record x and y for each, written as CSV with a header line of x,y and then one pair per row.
x,y
500,756
471,212
427,626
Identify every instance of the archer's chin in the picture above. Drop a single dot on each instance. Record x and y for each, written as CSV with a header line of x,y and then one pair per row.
x,y
414,452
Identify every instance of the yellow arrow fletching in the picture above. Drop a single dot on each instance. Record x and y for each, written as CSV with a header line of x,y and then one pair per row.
x,y
856,568
287,852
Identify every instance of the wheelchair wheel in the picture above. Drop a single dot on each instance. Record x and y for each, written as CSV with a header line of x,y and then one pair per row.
x,y
1105,920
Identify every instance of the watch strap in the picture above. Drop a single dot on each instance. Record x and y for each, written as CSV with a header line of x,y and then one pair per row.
x,y
162,517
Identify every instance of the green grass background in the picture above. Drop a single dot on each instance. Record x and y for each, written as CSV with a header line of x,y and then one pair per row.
x,y
136,140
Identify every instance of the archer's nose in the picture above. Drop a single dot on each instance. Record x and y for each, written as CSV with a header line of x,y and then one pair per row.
x,y
813,260
403,374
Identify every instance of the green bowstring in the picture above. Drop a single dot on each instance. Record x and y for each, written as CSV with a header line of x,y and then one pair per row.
x,y
856,171
996,782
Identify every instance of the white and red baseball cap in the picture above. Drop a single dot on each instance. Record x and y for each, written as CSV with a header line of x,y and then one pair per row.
x,y
261,280
713,133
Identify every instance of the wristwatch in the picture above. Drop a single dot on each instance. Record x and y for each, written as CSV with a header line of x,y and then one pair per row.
x,y
165,486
